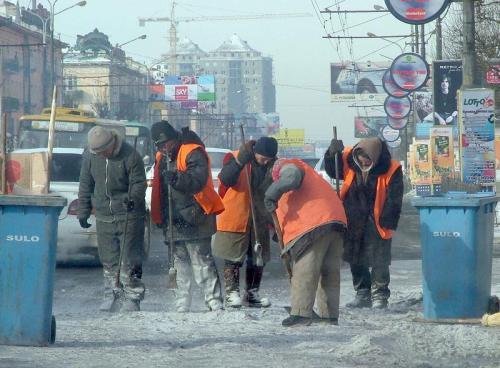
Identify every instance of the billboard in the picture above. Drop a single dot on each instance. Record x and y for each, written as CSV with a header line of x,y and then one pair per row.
x,y
477,111
447,79
416,11
190,88
368,126
354,81
290,137
424,117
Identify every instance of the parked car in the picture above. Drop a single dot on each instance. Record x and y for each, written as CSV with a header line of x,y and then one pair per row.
x,y
216,160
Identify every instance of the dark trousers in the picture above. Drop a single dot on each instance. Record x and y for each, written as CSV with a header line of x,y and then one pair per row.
x,y
377,280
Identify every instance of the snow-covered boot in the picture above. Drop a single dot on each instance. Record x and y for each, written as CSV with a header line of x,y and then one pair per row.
x,y
109,301
215,305
130,305
253,280
379,303
292,321
232,286
363,299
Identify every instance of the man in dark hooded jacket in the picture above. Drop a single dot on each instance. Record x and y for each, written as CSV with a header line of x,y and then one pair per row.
x,y
372,193
183,165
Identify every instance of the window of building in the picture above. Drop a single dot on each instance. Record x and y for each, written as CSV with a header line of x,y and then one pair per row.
x,y
70,83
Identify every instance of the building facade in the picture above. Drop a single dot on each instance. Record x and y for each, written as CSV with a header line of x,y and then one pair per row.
x,y
25,87
99,77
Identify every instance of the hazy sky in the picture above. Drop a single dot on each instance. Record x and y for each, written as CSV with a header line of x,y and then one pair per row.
x,y
301,56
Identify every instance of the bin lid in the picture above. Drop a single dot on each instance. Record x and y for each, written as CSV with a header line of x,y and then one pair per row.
x,y
33,200
465,200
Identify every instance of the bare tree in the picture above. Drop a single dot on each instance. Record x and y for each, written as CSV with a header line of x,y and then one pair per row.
x,y
100,103
487,33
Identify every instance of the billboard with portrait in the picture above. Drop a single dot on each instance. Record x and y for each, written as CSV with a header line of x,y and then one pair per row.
x,y
447,79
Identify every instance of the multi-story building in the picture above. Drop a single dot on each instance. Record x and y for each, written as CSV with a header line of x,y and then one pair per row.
x,y
24,64
99,77
243,76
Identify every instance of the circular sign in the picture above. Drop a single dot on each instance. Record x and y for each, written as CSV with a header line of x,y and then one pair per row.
x,y
416,11
389,134
409,71
390,87
397,108
397,123
395,144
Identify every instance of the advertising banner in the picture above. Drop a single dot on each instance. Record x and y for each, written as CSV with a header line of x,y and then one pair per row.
x,y
409,71
447,79
397,108
422,163
442,153
390,87
190,88
290,137
368,126
353,81
477,145
416,11
423,114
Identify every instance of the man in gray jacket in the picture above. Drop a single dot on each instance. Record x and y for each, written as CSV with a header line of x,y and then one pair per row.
x,y
113,183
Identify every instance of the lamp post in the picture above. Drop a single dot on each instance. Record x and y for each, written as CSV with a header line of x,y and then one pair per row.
x,y
52,15
370,34
142,37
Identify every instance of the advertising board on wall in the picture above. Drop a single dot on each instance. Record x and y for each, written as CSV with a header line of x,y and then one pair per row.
x,y
190,88
416,11
424,118
368,126
291,137
477,145
447,79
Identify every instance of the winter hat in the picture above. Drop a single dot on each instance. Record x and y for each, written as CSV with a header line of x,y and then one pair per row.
x,y
266,146
371,146
100,139
162,132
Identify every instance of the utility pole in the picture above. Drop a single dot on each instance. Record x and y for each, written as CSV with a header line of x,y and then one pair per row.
x,y
469,45
417,41
422,41
439,40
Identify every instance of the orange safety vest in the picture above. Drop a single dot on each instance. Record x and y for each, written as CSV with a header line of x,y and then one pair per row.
x,y
381,191
207,198
236,201
315,203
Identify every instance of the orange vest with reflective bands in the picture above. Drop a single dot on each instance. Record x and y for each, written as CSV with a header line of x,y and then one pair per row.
x,y
381,191
207,198
236,203
315,203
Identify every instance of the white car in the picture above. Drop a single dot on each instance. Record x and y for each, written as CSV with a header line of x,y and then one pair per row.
x,y
73,242
216,159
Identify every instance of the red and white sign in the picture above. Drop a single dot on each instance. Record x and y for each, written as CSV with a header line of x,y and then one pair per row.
x,y
493,74
181,93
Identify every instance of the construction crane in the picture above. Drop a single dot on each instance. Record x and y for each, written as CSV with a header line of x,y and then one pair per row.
x,y
175,21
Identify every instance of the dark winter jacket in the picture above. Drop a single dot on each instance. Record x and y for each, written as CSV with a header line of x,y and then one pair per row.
x,y
104,183
190,221
362,246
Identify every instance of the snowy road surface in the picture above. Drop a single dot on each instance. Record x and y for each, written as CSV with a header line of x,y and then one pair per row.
x,y
158,337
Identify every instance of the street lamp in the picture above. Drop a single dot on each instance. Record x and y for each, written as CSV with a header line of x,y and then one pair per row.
x,y
52,15
370,34
142,37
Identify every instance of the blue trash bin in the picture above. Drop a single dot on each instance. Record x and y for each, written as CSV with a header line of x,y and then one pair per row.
x,y
28,241
456,235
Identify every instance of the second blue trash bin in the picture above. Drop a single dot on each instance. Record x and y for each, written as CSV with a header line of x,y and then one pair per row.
x,y
456,235
28,241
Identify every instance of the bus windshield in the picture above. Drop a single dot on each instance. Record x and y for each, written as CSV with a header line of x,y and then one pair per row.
x,y
143,145
35,134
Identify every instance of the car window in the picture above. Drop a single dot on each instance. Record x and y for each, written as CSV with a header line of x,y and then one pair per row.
x,y
216,159
66,167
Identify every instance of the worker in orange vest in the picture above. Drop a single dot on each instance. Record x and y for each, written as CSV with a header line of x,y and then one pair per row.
x,y
312,221
372,193
195,204
235,237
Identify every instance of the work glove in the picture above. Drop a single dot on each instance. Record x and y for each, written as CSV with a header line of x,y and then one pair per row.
x,y
246,154
270,204
171,176
84,222
336,146
128,204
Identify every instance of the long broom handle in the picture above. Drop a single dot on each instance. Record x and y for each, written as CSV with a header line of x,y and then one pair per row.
x,y
279,234
252,204
170,221
337,184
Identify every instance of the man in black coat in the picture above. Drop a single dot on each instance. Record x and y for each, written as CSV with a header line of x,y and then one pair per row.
x,y
372,193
